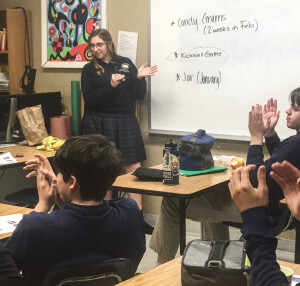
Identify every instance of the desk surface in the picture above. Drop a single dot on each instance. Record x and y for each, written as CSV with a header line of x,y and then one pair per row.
x,y
10,209
164,275
170,274
188,186
28,153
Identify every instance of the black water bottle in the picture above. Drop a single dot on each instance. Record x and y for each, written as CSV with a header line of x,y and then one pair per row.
x,y
171,163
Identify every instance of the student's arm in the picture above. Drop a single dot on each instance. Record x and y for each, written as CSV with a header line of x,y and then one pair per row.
x,y
288,150
9,273
260,244
288,178
256,128
260,248
272,143
256,125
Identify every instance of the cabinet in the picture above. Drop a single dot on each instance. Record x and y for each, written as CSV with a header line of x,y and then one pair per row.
x,y
50,102
17,48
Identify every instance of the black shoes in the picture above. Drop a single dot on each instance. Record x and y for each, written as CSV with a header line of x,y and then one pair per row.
x,y
148,228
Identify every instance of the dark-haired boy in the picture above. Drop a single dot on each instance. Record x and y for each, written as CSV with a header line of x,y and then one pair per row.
x,y
87,228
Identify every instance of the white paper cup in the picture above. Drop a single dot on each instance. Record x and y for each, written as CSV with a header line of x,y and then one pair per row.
x,y
288,272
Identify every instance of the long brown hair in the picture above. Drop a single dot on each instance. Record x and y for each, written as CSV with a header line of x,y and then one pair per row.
x,y
106,37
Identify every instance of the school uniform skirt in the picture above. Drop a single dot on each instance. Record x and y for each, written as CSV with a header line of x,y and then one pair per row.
x,y
122,129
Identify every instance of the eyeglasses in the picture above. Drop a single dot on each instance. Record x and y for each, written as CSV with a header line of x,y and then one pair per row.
x,y
97,45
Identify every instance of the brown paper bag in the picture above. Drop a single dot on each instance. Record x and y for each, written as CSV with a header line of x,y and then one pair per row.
x,y
33,124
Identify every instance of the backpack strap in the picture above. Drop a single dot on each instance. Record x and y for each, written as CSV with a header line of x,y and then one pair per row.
x,y
215,258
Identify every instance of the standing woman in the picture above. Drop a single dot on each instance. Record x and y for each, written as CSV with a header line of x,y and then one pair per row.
x,y
110,85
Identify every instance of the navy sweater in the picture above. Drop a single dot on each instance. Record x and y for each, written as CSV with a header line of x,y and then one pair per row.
x,y
100,96
288,149
9,274
77,234
260,247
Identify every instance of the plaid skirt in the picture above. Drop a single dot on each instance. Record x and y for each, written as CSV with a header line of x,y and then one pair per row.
x,y
122,129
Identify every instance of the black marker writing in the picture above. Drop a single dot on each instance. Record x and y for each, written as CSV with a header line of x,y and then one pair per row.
x,y
201,78
209,79
188,22
206,19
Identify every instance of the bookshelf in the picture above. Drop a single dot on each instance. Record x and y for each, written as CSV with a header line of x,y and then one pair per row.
x,y
13,59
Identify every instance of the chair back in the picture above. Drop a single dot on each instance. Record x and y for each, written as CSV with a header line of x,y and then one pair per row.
x,y
106,273
284,222
278,225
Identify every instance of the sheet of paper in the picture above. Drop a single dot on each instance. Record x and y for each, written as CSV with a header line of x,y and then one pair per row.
x,y
127,45
295,280
8,223
7,158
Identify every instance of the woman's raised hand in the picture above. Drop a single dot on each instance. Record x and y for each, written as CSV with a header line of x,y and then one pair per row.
x,y
145,70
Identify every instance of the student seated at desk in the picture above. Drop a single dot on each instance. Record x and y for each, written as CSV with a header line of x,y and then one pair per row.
x,y
87,228
214,207
252,202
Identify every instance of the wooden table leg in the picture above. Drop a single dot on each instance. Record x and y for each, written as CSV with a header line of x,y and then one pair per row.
x,y
182,225
297,243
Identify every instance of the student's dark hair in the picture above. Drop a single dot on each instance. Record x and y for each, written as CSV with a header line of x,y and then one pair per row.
x,y
106,37
295,97
93,160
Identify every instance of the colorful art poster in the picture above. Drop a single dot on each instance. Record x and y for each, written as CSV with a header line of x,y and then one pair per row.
x,y
66,26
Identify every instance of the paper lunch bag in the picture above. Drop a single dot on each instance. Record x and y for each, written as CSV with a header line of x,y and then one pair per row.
x,y
33,124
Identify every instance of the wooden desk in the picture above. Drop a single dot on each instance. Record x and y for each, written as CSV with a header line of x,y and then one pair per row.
x,y
170,274
8,210
28,153
189,187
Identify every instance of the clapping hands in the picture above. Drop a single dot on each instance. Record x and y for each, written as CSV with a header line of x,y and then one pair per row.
x,y
287,177
270,117
243,193
46,182
245,196
262,122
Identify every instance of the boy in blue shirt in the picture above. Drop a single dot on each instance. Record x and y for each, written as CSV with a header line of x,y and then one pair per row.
x,y
87,228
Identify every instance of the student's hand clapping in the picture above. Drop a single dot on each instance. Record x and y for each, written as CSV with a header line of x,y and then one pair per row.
x,y
45,179
145,70
287,177
243,193
270,117
256,124
33,165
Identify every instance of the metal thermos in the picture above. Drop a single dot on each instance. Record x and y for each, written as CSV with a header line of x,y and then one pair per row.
x,y
171,163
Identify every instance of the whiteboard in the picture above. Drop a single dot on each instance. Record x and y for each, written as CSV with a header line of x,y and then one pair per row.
x,y
216,59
